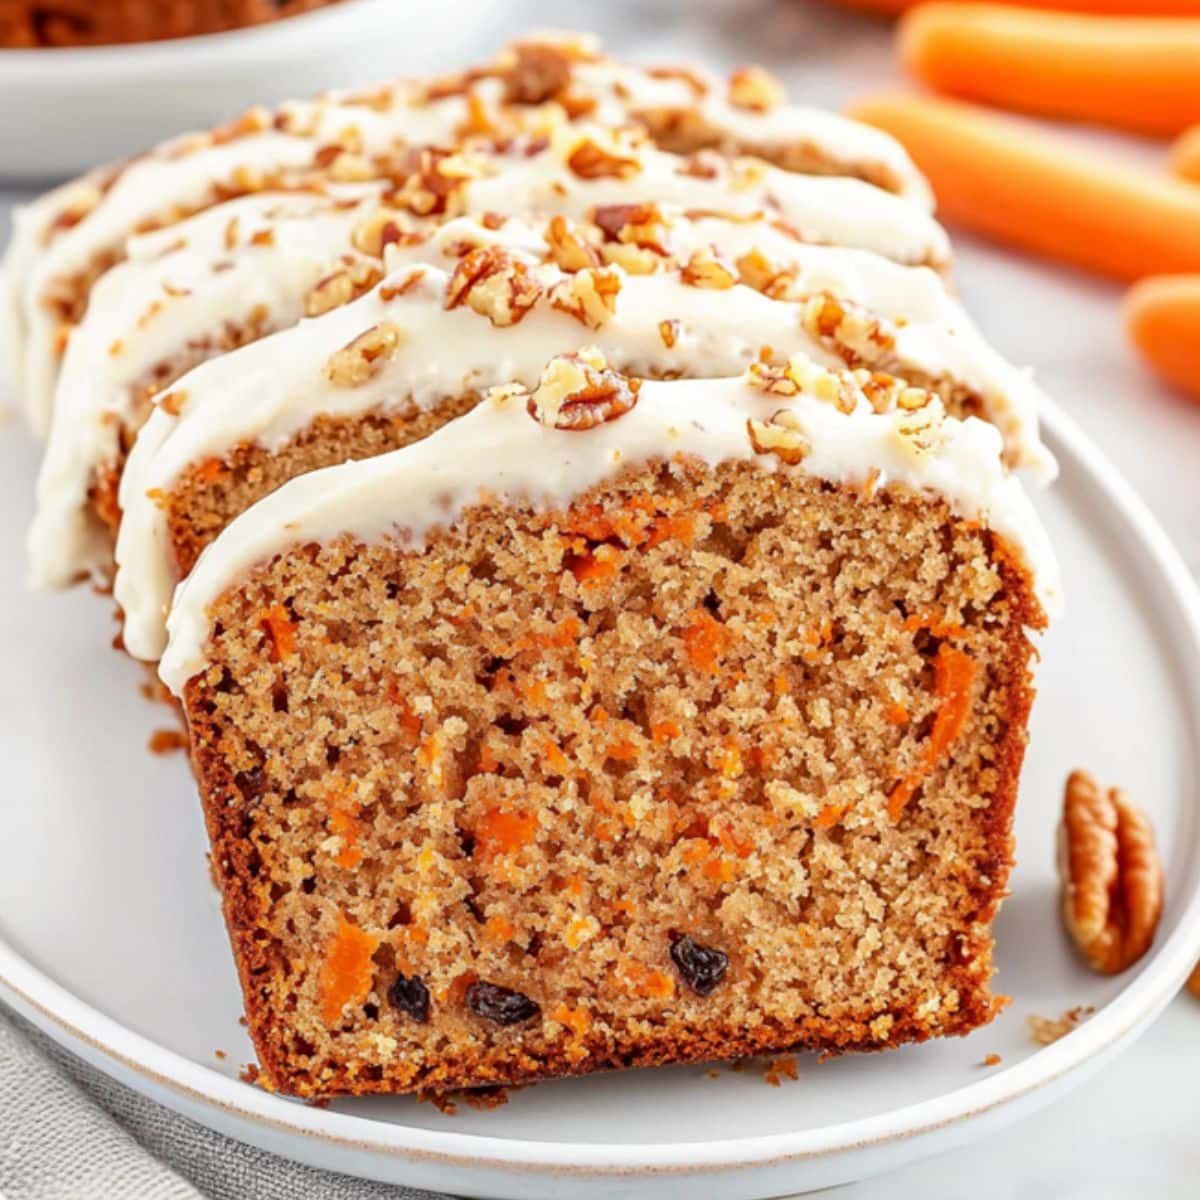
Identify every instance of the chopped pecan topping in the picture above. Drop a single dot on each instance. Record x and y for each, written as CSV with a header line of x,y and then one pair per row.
x,y
693,79
782,436
540,70
668,331
755,89
757,271
433,187
494,284
857,336
341,287
590,296
1112,877
363,359
705,270
590,160
384,227
580,391
704,164
569,250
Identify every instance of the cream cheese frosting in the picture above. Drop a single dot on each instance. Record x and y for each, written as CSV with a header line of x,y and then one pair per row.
x,y
498,453
267,392
193,172
179,298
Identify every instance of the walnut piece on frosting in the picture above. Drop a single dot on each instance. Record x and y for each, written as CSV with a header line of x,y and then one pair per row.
x,y
590,296
363,359
434,187
755,90
580,391
589,158
494,284
384,227
783,435
800,374
569,249
706,270
341,287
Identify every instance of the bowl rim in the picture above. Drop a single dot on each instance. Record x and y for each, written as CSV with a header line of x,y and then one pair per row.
x,y
103,1040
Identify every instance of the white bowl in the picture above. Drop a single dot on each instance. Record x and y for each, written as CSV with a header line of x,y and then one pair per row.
x,y
66,110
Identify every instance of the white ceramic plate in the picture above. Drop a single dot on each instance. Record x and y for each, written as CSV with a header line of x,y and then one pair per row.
x,y
111,938
97,104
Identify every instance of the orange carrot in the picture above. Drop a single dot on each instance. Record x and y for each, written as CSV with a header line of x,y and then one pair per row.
x,y
1140,74
1185,155
1162,316
1128,8
1000,178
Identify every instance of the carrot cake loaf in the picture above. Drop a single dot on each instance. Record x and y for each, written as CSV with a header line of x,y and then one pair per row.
x,y
619,722
243,268
33,24
417,350
66,240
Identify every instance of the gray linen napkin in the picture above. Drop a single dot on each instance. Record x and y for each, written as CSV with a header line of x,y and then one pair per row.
x,y
68,1132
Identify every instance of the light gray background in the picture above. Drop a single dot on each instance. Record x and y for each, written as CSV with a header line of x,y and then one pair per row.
x,y
1131,1131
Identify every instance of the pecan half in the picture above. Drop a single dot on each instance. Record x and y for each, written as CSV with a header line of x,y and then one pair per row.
x,y
494,284
580,391
1112,878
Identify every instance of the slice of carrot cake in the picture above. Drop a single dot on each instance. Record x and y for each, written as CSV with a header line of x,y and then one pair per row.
x,y
617,723
419,349
68,239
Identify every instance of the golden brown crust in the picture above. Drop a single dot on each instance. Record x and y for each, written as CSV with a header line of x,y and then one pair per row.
x,y
284,890
25,24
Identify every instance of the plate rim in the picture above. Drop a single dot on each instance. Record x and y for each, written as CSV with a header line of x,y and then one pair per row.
x,y
74,1024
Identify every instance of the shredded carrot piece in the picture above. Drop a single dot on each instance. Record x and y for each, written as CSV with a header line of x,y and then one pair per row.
x,y
937,625
896,714
502,831
718,827
344,823
705,640
719,870
663,731
556,761
640,980
623,750
694,850
347,971
280,629
499,928
409,721
210,470
596,567
830,815
782,684
577,1020
954,676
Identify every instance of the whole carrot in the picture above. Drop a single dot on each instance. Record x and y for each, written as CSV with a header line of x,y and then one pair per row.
x,y
1185,155
1128,8
1136,73
999,177
1162,316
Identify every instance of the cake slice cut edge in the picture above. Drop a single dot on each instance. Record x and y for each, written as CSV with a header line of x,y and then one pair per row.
x,y
617,723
